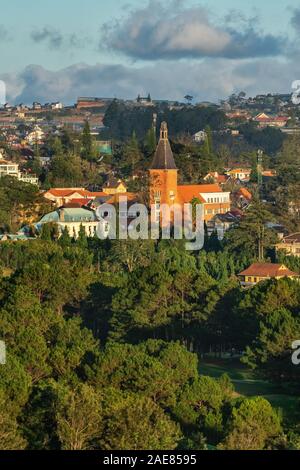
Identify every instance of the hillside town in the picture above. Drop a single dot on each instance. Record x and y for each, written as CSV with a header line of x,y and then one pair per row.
x,y
149,233
226,192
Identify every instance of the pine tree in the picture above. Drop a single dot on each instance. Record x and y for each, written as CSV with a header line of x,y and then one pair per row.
x,y
132,153
82,239
46,232
150,141
87,151
65,239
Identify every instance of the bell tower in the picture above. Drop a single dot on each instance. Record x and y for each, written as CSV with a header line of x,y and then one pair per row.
x,y
163,173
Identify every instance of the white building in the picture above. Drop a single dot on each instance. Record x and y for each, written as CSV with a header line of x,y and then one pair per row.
x,y
199,136
56,106
37,135
73,219
12,169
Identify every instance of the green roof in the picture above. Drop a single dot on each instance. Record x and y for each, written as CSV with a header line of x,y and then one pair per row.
x,y
69,215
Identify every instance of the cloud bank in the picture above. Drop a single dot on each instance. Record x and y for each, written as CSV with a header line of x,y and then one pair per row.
x,y
211,79
171,31
182,51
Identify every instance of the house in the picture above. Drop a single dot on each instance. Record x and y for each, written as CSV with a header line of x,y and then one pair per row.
x,y
114,186
269,173
36,106
215,177
290,244
56,106
199,136
258,272
164,188
12,169
242,174
37,135
61,196
29,178
264,120
72,219
242,198
223,222
8,168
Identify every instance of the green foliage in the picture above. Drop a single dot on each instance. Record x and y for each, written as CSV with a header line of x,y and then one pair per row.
x,y
17,202
135,422
270,139
251,235
139,388
252,425
123,121
79,417
10,436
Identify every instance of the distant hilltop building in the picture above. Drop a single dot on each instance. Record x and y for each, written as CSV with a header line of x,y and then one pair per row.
x,y
144,100
264,120
90,102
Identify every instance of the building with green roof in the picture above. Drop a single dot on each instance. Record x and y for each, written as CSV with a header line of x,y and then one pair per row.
x,y
72,219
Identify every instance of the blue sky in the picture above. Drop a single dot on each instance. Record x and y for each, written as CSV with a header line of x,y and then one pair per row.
x,y
58,49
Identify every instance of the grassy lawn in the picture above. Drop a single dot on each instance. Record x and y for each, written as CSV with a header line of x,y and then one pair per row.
x,y
247,384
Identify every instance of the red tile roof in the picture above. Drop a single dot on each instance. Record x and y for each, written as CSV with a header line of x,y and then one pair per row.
x,y
245,193
67,192
216,177
188,192
62,192
268,270
272,119
293,238
78,202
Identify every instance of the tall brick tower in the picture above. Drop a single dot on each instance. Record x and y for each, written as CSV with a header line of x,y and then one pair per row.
x,y
163,173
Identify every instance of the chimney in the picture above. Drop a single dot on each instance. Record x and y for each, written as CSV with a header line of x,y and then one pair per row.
x,y
61,215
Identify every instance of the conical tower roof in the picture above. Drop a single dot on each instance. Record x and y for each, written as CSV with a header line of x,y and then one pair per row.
x,y
163,158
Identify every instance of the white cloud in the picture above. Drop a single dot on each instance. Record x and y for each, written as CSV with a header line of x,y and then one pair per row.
x,y
169,31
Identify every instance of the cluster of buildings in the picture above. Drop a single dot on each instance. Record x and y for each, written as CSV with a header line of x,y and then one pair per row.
x,y
36,106
76,207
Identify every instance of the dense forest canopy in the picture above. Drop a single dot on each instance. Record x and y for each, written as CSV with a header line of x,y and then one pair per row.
x,y
105,339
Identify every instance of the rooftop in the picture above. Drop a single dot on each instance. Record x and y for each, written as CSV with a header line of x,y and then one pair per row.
x,y
293,238
268,270
69,215
163,158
